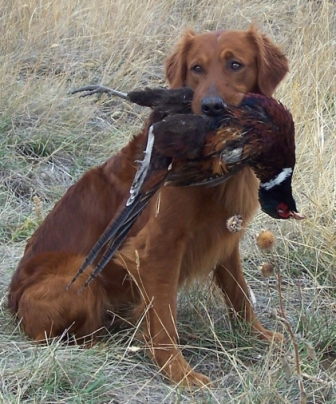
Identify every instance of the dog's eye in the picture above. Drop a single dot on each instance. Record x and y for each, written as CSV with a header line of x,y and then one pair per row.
x,y
197,69
234,65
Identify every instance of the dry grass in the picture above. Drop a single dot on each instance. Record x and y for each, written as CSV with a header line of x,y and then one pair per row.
x,y
48,139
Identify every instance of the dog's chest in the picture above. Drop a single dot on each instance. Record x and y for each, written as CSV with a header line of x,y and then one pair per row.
x,y
207,245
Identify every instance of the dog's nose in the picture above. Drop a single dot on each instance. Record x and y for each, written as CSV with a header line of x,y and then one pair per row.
x,y
212,106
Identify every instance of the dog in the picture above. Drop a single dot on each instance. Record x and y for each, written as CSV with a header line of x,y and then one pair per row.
x,y
181,236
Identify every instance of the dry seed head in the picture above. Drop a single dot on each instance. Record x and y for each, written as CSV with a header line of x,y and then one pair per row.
x,y
267,269
234,223
265,240
38,208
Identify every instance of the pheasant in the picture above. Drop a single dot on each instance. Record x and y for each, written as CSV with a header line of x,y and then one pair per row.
x,y
184,149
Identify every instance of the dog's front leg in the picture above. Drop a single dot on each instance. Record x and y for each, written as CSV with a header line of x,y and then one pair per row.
x,y
230,277
153,258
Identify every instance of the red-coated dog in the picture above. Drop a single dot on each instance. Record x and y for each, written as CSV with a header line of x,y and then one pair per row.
x,y
186,238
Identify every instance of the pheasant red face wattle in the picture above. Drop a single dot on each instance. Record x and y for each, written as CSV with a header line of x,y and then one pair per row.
x,y
285,213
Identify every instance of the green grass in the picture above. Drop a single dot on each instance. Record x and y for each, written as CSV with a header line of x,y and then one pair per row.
x,y
49,138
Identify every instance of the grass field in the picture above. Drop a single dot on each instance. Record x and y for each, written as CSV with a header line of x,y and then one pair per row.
x,y
49,138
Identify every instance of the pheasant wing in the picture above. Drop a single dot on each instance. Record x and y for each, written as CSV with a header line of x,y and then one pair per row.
x,y
225,152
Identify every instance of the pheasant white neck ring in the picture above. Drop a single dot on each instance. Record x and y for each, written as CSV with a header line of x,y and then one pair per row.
x,y
280,178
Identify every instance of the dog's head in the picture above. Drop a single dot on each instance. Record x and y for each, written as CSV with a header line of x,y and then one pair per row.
x,y
222,66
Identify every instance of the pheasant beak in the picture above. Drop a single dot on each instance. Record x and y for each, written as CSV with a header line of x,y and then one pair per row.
x,y
296,215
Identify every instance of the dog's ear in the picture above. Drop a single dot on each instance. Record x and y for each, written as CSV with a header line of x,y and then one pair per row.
x,y
271,61
176,63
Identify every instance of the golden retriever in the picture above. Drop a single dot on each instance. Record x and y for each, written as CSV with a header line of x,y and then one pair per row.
x,y
186,238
